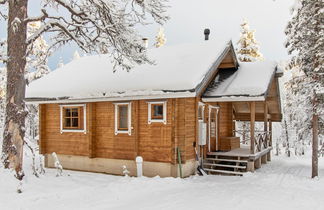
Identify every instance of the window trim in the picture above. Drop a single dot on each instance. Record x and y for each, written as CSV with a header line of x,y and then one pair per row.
x,y
129,118
164,119
84,130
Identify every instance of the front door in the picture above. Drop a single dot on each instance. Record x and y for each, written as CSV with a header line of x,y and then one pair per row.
x,y
213,128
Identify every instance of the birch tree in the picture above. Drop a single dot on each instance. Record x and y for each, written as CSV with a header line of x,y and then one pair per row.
x,y
96,26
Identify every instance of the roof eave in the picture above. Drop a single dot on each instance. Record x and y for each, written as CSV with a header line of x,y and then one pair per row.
x,y
233,98
186,94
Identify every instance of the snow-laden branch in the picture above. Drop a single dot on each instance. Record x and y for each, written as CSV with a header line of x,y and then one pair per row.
x,y
39,18
100,26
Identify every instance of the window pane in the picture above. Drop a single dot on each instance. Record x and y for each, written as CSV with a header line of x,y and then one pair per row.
x,y
67,112
75,122
123,124
67,122
75,112
158,111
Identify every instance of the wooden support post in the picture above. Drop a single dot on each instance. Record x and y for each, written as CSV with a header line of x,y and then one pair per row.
x,y
265,116
252,123
257,163
269,156
270,130
264,159
250,166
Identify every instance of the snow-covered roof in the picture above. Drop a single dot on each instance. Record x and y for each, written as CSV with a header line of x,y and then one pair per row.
x,y
249,82
178,69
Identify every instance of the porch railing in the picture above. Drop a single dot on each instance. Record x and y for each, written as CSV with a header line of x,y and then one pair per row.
x,y
261,139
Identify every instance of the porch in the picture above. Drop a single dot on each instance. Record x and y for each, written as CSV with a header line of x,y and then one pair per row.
x,y
244,150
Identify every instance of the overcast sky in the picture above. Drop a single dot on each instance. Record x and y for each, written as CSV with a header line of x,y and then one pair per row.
x,y
223,17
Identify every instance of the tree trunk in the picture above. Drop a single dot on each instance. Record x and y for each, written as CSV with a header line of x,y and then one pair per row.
x,y
315,139
287,139
14,131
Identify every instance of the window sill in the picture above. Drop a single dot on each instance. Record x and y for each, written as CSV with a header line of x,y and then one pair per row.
x,y
157,121
73,131
123,132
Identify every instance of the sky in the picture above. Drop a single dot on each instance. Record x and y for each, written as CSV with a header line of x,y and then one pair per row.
x,y
189,18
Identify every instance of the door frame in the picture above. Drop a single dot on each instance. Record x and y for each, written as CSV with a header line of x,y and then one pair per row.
x,y
210,108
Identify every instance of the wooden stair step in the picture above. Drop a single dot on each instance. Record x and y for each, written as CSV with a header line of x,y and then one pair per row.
x,y
222,165
227,160
224,171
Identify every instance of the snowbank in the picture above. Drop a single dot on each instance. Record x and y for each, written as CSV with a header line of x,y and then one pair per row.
x,y
281,184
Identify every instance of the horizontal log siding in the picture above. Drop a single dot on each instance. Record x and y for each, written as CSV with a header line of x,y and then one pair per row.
x,y
154,142
61,143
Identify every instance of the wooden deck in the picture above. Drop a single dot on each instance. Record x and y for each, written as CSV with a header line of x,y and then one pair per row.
x,y
243,151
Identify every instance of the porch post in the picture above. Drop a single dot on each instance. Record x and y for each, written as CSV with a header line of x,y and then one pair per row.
x,y
270,130
252,121
266,121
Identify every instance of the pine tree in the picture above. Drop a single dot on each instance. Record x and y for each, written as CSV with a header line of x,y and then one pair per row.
x,y
305,40
248,47
160,38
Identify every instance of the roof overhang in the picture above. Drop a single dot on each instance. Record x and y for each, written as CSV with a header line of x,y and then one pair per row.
x,y
233,98
186,94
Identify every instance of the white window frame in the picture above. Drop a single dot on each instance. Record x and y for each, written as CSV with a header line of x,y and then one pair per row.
x,y
84,130
149,119
129,118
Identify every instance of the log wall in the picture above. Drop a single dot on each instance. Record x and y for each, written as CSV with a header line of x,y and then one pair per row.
x,y
155,142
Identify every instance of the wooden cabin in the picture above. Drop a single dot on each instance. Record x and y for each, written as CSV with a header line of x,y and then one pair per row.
x,y
97,120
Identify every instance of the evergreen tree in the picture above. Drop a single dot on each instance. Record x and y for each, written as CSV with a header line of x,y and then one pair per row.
x,y
160,38
248,47
305,40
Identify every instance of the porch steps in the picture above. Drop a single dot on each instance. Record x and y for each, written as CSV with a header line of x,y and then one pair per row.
x,y
227,160
226,165
224,172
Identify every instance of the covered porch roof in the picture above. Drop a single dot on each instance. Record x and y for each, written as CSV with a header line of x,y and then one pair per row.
x,y
251,82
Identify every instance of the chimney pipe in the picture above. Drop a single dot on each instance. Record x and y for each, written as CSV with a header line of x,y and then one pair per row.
x,y
145,41
206,32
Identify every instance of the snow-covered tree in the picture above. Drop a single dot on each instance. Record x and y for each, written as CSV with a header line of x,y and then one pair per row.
x,y
160,38
95,26
305,41
248,48
76,55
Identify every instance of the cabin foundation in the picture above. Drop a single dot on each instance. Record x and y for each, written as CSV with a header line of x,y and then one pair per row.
x,y
114,166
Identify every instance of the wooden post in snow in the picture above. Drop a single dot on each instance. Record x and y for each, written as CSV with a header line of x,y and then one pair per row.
x,y
252,123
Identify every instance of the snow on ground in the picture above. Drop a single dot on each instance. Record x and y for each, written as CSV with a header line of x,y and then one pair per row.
x,y
283,184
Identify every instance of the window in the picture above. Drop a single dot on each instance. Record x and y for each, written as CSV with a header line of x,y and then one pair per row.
x,y
123,118
73,118
157,112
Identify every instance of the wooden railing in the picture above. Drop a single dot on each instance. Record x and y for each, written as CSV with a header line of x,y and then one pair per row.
x,y
261,139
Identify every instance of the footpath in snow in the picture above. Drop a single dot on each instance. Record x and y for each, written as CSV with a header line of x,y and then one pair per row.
x,y
283,183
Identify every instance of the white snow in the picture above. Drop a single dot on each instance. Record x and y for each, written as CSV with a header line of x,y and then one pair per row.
x,y
284,183
180,67
251,79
